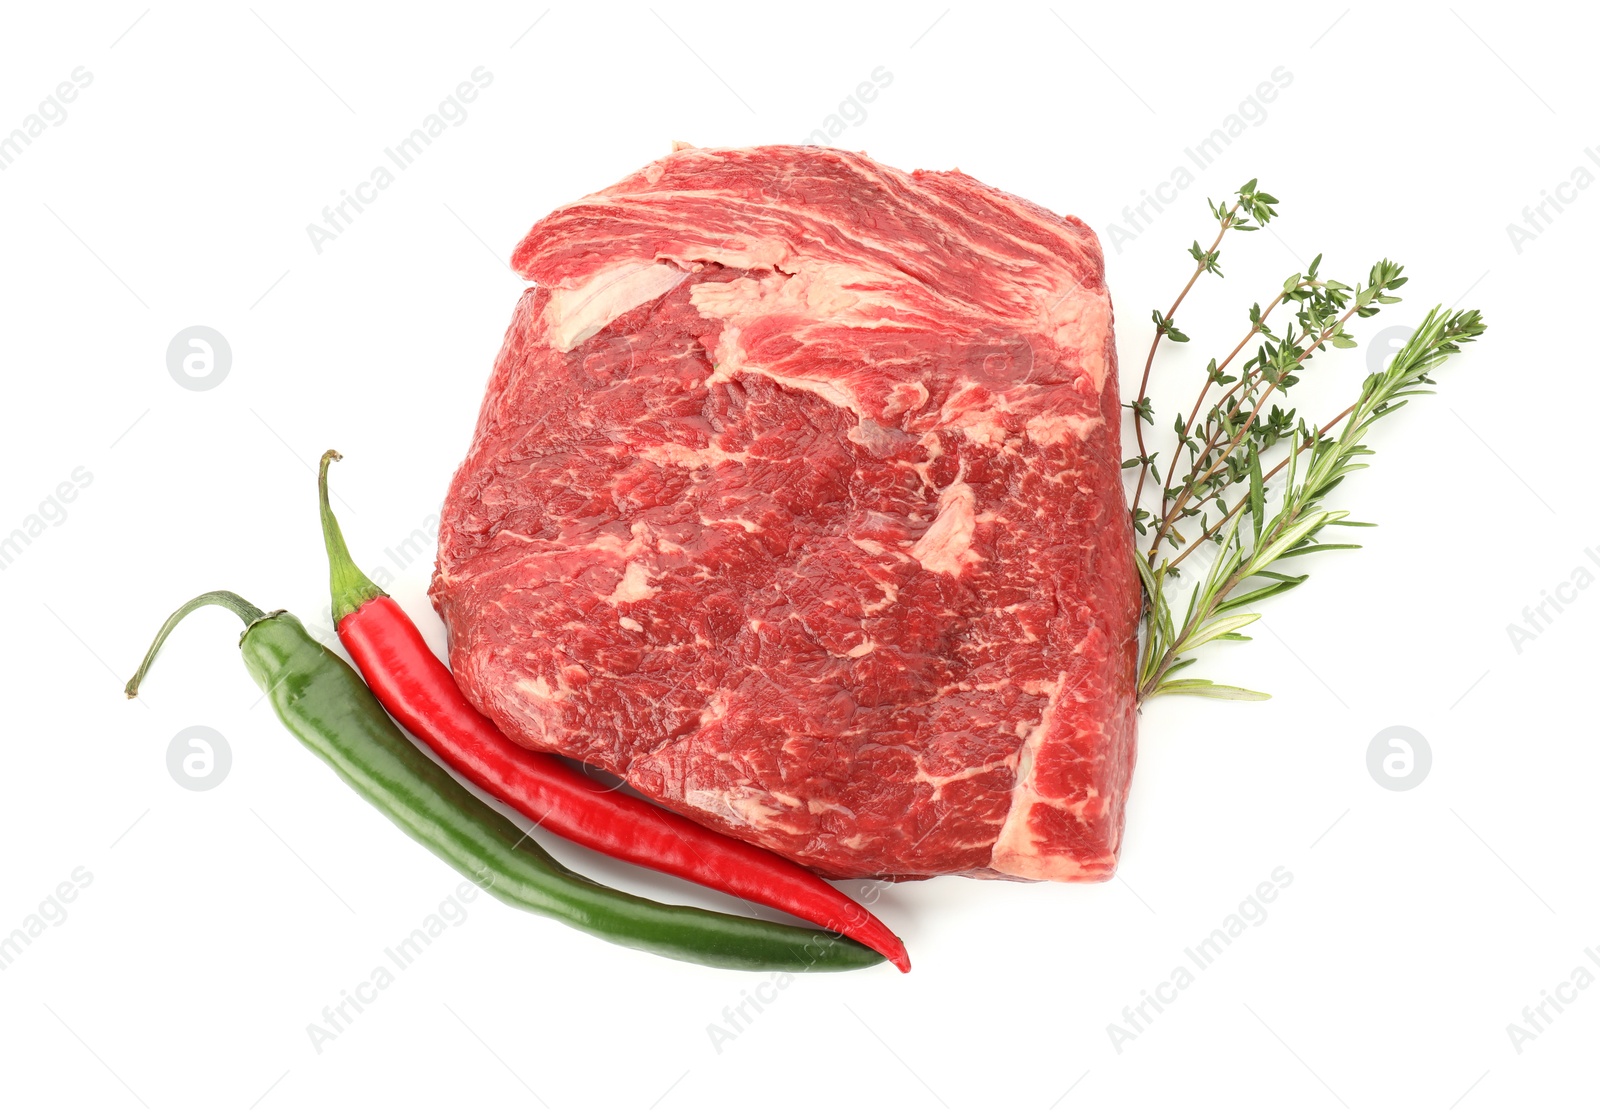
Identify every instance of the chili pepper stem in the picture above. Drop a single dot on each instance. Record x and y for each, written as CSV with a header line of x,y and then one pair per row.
x,y
350,586
248,613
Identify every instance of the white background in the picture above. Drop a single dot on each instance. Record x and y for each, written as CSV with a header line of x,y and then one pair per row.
x,y
219,924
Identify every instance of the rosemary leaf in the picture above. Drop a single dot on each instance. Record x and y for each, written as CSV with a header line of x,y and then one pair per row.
x,y
1207,688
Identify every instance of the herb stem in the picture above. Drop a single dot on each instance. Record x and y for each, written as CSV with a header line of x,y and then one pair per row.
x,y
1199,617
1205,388
1201,264
1244,499
1194,484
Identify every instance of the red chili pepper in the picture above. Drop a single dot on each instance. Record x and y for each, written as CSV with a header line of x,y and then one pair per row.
x,y
417,689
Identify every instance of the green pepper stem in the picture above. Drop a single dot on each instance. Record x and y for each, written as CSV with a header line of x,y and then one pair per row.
x,y
350,586
248,613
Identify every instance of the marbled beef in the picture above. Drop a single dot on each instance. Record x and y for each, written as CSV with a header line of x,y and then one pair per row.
x,y
795,502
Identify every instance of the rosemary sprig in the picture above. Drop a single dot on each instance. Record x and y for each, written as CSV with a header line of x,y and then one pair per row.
x,y
1221,447
1242,573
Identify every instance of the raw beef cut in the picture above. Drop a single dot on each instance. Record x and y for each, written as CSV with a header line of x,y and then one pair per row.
x,y
795,502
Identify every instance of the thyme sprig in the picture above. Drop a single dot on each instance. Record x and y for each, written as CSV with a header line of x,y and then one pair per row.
x,y
1223,459
1251,210
1222,445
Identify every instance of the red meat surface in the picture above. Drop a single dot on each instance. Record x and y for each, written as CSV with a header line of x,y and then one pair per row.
x,y
795,502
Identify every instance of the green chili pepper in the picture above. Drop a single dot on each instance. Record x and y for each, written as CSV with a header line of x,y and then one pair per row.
x,y
327,706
